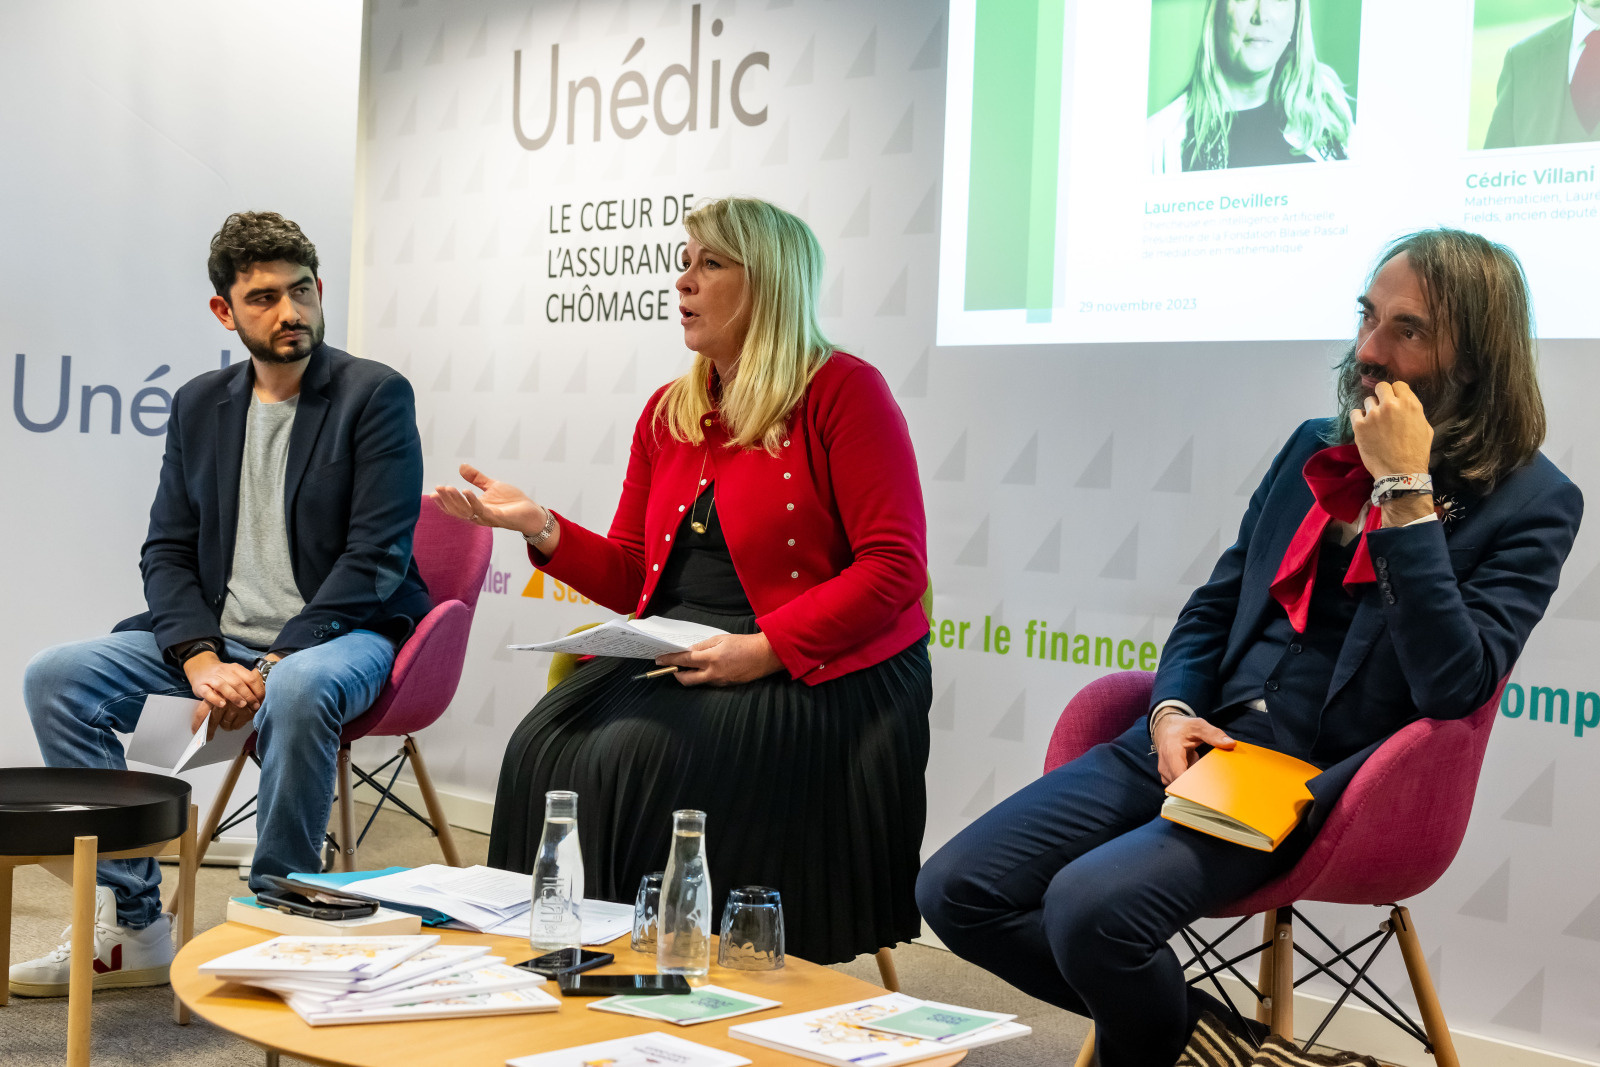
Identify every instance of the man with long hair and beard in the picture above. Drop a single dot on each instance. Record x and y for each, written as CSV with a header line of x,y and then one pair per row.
x,y
278,577
1258,95
1389,568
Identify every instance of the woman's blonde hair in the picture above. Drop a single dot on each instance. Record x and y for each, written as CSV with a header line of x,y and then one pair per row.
x,y
1307,93
783,347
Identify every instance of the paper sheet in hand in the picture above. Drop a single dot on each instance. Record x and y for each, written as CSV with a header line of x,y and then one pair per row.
x,y
629,639
162,738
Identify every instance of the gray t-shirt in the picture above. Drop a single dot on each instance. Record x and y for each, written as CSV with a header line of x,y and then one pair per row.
x,y
261,592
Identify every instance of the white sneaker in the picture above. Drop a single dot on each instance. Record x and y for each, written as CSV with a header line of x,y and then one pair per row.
x,y
123,956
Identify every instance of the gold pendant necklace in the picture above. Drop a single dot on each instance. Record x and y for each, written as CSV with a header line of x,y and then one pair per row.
x,y
700,527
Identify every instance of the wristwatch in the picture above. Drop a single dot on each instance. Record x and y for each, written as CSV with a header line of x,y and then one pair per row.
x,y
263,667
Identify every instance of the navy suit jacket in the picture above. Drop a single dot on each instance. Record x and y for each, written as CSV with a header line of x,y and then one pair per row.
x,y
352,493
1533,100
1462,600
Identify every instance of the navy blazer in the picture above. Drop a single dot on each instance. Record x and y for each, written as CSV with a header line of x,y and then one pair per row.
x,y
352,493
1462,600
1533,99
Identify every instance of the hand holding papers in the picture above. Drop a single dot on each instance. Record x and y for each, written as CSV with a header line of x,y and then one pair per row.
x,y
629,639
164,739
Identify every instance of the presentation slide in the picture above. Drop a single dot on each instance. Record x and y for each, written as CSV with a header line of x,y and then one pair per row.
x,y
1214,170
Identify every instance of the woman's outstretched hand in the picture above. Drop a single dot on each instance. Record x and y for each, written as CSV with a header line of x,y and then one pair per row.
x,y
726,659
501,503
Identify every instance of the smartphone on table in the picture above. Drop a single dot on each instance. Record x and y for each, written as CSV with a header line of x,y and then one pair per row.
x,y
287,896
566,961
610,985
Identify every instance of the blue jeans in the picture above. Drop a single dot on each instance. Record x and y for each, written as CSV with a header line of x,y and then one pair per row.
x,y
78,693
1070,889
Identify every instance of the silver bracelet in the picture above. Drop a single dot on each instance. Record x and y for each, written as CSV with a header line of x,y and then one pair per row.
x,y
543,535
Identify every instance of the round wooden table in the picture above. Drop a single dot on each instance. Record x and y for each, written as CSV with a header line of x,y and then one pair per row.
x,y
262,1019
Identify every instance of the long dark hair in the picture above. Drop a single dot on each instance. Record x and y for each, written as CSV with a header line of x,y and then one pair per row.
x,y
1486,409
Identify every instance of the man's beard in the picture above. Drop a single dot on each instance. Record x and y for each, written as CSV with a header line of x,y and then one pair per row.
x,y
1428,390
306,338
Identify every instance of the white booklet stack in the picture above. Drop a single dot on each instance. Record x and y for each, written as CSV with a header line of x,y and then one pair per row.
x,y
629,639
641,1050
337,980
884,1031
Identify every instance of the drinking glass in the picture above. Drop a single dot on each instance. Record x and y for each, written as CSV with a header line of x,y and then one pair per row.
x,y
646,909
752,930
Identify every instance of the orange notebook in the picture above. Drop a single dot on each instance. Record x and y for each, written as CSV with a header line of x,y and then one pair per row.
x,y
1249,795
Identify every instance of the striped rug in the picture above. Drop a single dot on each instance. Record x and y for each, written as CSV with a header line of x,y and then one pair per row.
x,y
1213,1045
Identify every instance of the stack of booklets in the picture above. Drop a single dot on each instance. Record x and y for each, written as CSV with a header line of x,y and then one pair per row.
x,y
884,1031
704,1004
485,900
336,980
641,1050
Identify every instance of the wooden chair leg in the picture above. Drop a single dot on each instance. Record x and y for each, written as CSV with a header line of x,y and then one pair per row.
x,y
5,929
1444,1049
347,820
1269,927
183,900
1282,952
447,843
80,976
218,806
1086,1053
886,970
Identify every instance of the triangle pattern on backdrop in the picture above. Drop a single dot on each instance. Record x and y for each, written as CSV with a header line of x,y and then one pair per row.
x,y
1012,723
1492,899
976,552
1537,804
954,467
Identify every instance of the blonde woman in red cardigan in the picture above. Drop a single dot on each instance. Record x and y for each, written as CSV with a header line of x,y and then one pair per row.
x,y
772,492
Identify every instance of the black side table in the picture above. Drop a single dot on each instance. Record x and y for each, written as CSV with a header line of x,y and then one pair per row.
x,y
48,814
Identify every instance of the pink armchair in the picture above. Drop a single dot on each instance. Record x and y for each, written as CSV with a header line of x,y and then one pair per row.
x,y
453,557
1392,833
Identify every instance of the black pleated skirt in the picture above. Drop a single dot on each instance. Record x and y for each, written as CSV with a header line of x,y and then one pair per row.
x,y
816,791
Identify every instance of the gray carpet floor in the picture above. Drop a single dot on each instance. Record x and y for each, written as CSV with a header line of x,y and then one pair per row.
x,y
134,1027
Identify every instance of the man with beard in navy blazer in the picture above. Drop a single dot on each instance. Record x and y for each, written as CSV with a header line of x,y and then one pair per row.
x,y
1390,567
278,577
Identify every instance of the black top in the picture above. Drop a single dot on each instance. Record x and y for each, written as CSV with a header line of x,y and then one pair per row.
x,y
699,570
1255,139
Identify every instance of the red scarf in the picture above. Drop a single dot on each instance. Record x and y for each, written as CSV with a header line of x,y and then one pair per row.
x,y
1341,486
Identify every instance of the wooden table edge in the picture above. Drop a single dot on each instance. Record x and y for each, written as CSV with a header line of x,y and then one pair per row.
x,y
200,994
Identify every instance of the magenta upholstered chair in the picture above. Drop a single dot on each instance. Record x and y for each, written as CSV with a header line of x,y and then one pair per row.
x,y
1391,834
453,557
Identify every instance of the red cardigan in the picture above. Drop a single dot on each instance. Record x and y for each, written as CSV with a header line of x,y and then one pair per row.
x,y
829,537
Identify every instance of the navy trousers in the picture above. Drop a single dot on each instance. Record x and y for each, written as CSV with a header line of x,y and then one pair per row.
x,y
1071,888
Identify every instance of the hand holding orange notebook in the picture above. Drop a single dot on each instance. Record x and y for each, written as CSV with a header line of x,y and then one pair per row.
x,y
1249,795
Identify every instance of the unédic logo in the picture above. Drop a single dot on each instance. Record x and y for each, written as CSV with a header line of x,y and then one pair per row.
x,y
99,406
587,97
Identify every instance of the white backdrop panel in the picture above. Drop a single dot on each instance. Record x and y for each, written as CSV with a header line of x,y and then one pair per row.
x,y
1090,487
131,131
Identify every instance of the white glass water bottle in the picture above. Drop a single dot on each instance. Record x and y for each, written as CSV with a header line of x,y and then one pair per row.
x,y
683,931
555,920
